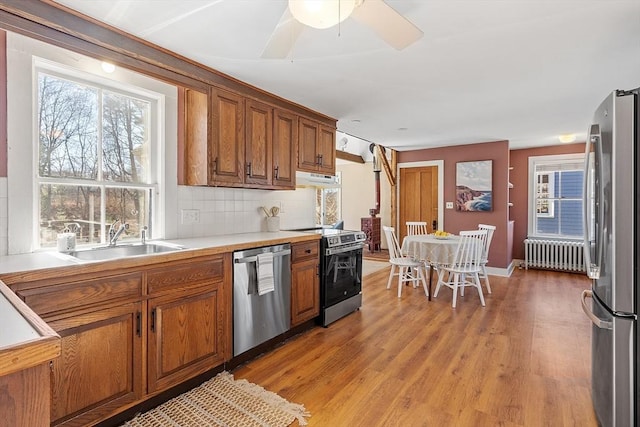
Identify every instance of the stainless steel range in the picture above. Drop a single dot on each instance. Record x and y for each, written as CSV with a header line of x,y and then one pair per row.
x,y
340,273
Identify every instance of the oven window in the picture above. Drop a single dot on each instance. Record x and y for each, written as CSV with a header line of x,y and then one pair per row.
x,y
341,277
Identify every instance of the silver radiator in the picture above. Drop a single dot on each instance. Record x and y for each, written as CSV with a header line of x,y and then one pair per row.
x,y
562,255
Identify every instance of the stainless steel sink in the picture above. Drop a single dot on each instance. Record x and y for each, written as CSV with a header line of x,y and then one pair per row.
x,y
104,253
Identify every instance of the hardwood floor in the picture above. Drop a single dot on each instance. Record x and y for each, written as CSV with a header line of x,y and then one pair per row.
x,y
523,360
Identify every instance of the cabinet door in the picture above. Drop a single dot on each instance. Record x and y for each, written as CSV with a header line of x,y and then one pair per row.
x,y
327,150
305,291
186,336
227,138
100,367
196,119
308,145
259,131
285,135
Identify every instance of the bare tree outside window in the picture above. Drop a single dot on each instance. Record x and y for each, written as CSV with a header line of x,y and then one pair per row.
x,y
94,160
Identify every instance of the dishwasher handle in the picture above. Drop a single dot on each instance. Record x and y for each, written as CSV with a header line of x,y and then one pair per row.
x,y
255,258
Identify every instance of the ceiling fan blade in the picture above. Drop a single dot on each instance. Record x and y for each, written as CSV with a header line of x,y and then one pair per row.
x,y
392,27
283,37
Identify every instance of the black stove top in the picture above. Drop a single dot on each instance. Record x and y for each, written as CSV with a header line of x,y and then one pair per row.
x,y
332,237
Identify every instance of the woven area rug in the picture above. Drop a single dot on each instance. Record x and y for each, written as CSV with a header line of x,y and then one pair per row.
x,y
223,401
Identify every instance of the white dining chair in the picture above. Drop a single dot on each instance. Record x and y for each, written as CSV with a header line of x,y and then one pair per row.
x,y
465,269
485,254
416,227
409,269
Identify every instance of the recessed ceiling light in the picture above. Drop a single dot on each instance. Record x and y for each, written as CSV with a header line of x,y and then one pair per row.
x,y
108,67
403,129
355,121
567,138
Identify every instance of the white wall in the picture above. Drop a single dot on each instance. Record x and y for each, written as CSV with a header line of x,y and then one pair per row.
x,y
358,195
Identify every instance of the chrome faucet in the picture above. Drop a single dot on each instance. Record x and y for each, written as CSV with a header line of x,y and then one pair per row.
x,y
114,234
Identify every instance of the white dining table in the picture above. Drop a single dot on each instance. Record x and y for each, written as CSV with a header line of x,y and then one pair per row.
x,y
431,250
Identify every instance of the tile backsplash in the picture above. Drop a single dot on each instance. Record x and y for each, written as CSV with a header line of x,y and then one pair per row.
x,y
220,211
4,203
234,210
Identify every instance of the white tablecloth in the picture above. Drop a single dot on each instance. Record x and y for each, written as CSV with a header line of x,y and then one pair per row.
x,y
429,249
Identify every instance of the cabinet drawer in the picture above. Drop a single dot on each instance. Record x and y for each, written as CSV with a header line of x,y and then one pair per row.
x,y
181,275
304,250
72,295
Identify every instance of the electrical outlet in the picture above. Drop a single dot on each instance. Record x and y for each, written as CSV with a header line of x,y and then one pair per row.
x,y
190,216
449,205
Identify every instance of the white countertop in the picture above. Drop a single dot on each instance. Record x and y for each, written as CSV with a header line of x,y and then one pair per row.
x,y
52,259
20,330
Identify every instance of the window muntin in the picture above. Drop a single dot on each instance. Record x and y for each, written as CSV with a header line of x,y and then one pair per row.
x,y
94,158
557,200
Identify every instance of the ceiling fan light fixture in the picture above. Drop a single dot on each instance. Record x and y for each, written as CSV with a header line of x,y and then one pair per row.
x,y
567,138
321,14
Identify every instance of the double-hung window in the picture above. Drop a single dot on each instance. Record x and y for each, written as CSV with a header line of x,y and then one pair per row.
x,y
556,199
96,160
328,206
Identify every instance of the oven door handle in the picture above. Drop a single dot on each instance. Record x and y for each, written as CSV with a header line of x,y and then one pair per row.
x,y
343,249
255,258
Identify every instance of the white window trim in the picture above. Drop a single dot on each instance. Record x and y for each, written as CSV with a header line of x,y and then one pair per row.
x,y
531,217
153,181
20,107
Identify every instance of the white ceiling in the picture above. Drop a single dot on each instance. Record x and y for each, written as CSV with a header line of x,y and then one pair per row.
x,y
485,70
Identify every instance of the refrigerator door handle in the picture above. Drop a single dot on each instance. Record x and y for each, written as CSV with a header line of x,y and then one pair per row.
x,y
602,324
592,145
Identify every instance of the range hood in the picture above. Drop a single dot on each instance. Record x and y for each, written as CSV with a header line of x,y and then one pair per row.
x,y
307,179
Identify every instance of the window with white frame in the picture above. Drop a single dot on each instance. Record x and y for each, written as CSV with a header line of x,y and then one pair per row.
x,y
328,206
556,199
95,156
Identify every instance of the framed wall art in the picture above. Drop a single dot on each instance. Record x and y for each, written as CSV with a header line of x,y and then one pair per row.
x,y
474,189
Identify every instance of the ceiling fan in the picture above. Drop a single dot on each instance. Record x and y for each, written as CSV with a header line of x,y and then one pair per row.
x,y
388,24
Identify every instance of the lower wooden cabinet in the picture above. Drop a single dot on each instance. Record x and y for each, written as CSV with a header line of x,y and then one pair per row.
x,y
100,366
184,336
173,318
305,282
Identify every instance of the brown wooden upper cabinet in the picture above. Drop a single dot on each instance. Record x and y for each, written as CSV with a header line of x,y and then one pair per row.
x,y
227,142
316,147
244,143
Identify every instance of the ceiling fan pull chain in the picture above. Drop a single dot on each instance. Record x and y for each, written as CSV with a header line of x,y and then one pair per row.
x,y
339,20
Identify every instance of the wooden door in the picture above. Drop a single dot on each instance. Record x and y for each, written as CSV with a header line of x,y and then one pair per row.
x,y
100,366
226,153
308,145
418,197
186,336
259,130
285,136
327,150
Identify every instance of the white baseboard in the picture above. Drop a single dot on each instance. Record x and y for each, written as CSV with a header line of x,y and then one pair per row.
x,y
503,272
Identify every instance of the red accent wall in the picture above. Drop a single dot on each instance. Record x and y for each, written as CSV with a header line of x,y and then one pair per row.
x,y
500,255
520,192
3,103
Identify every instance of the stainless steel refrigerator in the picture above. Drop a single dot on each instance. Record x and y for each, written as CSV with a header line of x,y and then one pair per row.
x,y
612,223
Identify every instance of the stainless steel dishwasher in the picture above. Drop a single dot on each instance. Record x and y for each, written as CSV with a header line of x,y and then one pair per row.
x,y
258,318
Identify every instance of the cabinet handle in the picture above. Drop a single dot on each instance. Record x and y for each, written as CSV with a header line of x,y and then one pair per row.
x,y
321,156
276,172
153,320
138,324
318,270
249,169
214,167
